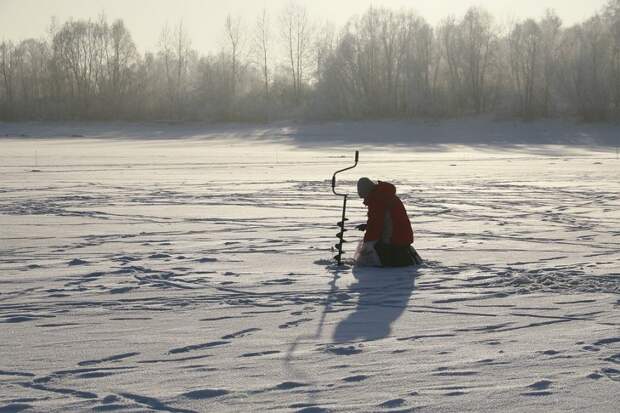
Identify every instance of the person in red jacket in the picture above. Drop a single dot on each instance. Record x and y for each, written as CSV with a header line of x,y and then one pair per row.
x,y
388,229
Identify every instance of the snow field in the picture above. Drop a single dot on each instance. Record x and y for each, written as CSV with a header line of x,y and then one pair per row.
x,y
190,273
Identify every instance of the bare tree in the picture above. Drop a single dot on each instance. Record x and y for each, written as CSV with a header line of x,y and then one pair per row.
x,y
550,28
7,66
525,58
612,20
416,67
166,53
324,45
297,35
262,47
32,76
477,37
78,51
234,36
449,41
121,56
586,68
174,50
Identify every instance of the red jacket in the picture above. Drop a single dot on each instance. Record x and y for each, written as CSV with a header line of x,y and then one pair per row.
x,y
381,199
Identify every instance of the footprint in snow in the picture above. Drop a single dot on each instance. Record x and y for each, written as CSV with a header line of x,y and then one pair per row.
x,y
301,405
355,379
294,323
260,353
152,403
540,388
110,399
241,333
205,394
96,375
312,409
159,256
306,309
18,319
606,341
456,373
537,393
116,357
343,351
549,352
125,259
50,325
612,374
14,407
94,275
541,385
281,281
121,290
614,359
390,404
16,373
195,347
288,385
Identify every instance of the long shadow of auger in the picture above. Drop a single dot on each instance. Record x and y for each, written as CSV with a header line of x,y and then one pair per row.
x,y
336,270
288,359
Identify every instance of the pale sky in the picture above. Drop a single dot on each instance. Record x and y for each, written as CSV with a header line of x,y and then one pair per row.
x,y
204,19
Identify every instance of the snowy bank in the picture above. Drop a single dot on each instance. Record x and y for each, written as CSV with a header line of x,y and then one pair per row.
x,y
472,131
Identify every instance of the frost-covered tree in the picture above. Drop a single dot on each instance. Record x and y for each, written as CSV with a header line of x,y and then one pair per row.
x,y
7,71
383,63
262,48
296,32
526,49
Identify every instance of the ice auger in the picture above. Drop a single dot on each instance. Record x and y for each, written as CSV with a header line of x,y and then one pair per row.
x,y
344,211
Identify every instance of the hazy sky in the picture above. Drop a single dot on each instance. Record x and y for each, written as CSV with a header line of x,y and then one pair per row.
x,y
204,19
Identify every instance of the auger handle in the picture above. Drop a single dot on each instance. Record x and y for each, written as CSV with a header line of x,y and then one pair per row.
x,y
344,209
357,157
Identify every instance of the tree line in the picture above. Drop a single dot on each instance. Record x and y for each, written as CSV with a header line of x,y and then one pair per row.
x,y
381,64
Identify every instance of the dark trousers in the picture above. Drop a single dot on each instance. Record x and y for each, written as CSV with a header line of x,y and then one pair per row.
x,y
397,255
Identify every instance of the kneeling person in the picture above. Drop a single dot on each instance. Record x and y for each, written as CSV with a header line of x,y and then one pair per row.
x,y
388,229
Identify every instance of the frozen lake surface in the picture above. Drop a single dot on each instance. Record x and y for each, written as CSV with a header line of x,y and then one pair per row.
x,y
151,268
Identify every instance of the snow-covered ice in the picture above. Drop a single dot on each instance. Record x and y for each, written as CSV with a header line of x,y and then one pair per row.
x,y
167,268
